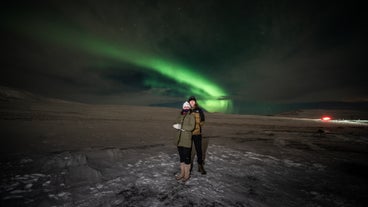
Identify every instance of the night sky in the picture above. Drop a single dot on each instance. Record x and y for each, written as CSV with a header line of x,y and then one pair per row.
x,y
234,56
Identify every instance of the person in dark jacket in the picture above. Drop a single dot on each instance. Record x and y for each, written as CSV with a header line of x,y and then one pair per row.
x,y
185,125
200,144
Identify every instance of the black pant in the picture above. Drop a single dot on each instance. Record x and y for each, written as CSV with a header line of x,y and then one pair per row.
x,y
197,139
184,154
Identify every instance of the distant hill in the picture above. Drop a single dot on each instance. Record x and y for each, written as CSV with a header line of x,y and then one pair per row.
x,y
21,96
8,94
306,110
9,97
350,114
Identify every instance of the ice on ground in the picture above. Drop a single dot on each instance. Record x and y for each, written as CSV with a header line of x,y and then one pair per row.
x,y
234,178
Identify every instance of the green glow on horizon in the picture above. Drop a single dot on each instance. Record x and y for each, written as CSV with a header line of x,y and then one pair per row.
x,y
208,93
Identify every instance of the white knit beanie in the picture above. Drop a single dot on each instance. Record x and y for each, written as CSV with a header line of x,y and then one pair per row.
x,y
186,105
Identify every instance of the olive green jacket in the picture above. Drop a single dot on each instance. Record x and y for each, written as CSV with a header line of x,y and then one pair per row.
x,y
184,138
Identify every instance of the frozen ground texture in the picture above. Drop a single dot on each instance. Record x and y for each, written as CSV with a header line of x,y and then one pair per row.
x,y
132,177
56,153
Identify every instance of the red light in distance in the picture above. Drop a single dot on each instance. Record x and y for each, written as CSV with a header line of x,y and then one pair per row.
x,y
326,118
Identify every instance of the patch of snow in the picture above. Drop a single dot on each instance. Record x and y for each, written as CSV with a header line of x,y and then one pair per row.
x,y
290,163
234,178
28,186
26,160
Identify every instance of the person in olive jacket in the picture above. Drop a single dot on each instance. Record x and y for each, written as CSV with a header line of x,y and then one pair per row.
x,y
185,126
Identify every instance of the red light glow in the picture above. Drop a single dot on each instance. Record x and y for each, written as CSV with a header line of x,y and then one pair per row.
x,y
326,118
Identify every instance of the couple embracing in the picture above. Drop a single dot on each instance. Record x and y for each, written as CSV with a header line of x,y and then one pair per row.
x,y
189,125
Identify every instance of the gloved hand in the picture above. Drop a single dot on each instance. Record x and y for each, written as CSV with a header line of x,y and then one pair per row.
x,y
178,126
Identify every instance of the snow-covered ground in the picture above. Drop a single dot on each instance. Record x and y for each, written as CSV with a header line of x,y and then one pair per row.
x,y
56,153
145,177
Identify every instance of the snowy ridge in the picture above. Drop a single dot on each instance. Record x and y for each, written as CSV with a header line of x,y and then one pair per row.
x,y
9,93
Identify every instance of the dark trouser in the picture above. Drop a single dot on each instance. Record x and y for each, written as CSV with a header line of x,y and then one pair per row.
x,y
204,148
184,154
197,139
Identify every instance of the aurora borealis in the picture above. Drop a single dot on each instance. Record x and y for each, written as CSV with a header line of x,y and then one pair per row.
x,y
235,57
211,95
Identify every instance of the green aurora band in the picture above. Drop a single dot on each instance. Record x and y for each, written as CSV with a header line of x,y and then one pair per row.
x,y
210,96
